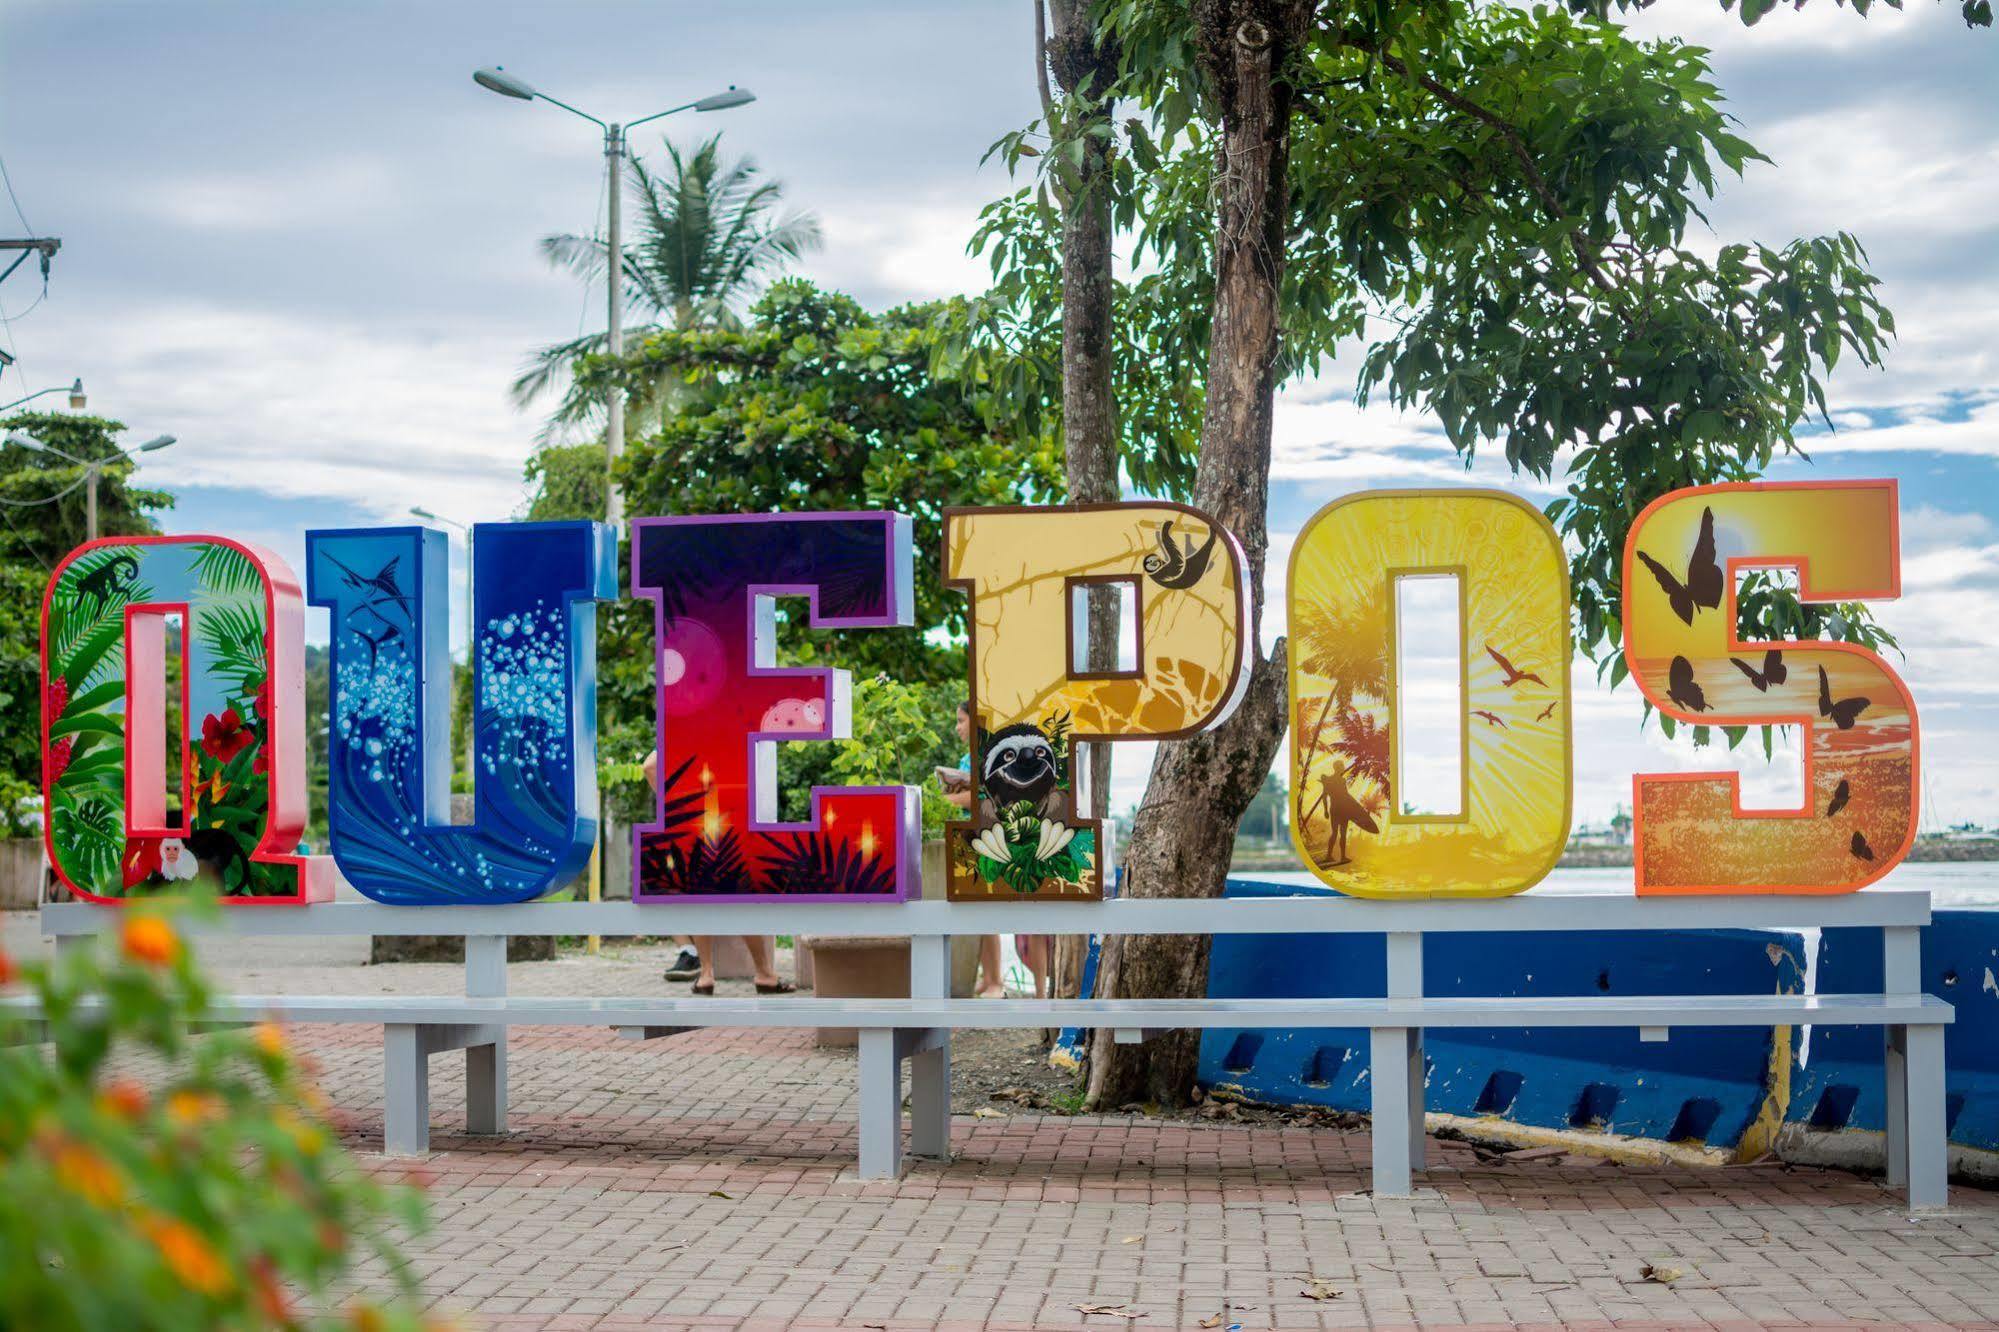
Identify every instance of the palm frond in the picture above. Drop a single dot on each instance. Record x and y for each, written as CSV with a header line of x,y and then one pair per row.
x,y
227,570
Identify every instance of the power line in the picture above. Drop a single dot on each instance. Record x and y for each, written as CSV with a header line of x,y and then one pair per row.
x,y
9,182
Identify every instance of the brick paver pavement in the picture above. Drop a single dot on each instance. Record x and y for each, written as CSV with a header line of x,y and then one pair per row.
x,y
706,1181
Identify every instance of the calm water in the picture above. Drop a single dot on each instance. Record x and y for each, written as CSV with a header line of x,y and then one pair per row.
x,y
1972,883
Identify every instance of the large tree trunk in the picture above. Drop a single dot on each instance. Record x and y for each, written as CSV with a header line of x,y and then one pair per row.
x,y
1084,64
1185,832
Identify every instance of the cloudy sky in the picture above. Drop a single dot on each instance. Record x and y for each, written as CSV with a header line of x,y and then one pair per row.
x,y
299,238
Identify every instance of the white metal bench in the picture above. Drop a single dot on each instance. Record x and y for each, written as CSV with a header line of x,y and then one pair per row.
x,y
918,1029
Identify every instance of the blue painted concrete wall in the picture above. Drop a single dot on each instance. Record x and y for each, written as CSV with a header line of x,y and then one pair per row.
x,y
1703,1085
1840,1085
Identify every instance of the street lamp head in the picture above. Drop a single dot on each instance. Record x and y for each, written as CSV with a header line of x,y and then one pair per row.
x,y
77,399
496,79
417,511
23,440
156,443
722,101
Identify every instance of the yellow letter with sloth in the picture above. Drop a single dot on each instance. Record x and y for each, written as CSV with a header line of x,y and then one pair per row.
x,y
1858,817
1032,696
1512,819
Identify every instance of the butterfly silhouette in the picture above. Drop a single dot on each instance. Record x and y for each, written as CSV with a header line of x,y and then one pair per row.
x,y
1490,717
1840,795
1860,848
1680,686
1514,675
1774,670
1545,713
1842,711
1179,566
1703,581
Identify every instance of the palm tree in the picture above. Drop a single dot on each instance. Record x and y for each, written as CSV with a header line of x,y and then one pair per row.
x,y
709,233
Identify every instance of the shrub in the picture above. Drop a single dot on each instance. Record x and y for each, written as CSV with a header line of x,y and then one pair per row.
x,y
210,1194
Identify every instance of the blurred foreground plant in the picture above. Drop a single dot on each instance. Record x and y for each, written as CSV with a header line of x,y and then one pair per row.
x,y
211,1195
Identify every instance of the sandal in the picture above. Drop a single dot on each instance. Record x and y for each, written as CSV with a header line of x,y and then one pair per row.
x,y
782,987
704,990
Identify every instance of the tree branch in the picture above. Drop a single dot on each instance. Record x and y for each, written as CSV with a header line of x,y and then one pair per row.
x,y
1041,64
1586,250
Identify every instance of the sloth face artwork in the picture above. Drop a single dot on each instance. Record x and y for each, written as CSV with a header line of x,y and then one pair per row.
x,y
1020,767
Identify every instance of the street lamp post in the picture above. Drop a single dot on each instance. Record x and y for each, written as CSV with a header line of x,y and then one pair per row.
x,y
496,79
77,398
471,634
93,468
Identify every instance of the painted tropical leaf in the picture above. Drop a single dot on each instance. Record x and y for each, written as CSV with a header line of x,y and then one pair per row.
x,y
810,862
224,569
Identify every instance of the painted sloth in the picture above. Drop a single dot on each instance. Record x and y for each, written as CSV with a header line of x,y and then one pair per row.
x,y
1019,764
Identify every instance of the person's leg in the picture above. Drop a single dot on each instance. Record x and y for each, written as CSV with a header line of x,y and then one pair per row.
x,y
1035,951
704,948
760,959
991,984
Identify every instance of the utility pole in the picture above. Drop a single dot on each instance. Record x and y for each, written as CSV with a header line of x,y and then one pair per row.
x,y
46,246
614,400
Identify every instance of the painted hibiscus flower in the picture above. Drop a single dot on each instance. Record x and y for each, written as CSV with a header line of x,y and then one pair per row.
x,y
142,860
59,754
224,737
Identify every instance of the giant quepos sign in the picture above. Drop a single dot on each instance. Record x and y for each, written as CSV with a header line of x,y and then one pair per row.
x,y
174,703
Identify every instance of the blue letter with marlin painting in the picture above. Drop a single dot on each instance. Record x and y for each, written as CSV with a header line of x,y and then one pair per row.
x,y
534,592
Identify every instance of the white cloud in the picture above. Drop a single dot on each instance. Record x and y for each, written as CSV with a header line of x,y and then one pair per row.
x,y
380,416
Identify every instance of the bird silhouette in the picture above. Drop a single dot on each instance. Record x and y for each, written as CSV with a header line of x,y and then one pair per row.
x,y
1179,566
1494,720
1702,583
1514,675
1840,795
1860,848
1681,688
1545,713
1842,711
1774,670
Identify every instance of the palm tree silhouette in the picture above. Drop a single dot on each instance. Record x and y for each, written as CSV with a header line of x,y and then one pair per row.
x,y
708,234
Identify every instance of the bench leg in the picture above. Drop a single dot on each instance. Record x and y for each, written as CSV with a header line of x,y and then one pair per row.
x,y
1417,1077
930,1098
486,1086
406,1090
1895,1087
881,1104
1929,1162
1388,1062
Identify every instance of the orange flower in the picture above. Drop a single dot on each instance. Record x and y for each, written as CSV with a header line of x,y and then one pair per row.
x,y
193,1107
124,1098
272,1301
151,940
191,1259
7,970
85,1173
270,1039
309,1140
367,1318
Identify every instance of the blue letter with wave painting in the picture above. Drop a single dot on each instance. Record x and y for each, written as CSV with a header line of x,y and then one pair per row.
x,y
534,592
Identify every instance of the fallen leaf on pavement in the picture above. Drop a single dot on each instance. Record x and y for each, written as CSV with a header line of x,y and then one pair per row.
x,y
1215,1321
1131,1239
1108,1310
1664,1276
717,1193
987,1112
1321,1289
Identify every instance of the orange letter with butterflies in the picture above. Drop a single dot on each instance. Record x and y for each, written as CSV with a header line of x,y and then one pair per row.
x,y
1681,562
